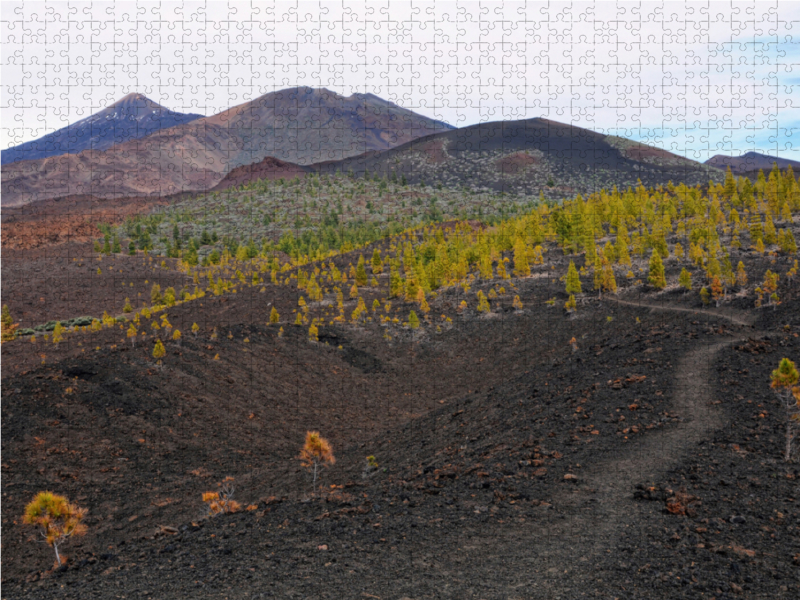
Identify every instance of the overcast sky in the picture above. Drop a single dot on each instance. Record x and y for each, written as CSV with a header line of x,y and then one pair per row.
x,y
696,78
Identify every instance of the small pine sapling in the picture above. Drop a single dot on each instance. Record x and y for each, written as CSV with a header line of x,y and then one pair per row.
x,y
570,304
741,275
274,317
413,320
195,329
313,333
717,291
517,303
58,333
656,276
377,264
9,328
221,501
176,337
685,280
705,296
483,302
573,280
574,344
361,272
127,308
57,519
316,452
784,382
159,352
132,333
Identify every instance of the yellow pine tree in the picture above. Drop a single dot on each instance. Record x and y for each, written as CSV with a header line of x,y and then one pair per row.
x,y
316,453
274,317
57,519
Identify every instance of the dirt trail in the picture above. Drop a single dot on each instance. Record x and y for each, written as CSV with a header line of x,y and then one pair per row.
x,y
734,316
590,517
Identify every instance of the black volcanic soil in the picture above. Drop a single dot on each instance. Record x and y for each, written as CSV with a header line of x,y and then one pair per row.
x,y
474,429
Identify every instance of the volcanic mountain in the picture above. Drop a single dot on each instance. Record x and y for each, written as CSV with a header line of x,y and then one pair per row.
x,y
300,125
750,163
529,156
130,118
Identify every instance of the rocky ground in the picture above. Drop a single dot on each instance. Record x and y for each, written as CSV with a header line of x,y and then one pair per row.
x,y
647,462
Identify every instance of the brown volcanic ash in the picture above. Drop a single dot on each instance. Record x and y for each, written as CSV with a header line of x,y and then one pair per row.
x,y
300,125
270,168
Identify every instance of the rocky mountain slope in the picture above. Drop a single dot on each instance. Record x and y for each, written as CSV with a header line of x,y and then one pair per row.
x,y
528,156
130,118
750,163
301,125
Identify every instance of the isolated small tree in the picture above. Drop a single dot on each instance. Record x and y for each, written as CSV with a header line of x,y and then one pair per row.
x,y
717,291
354,292
195,329
573,280
313,333
57,519
570,304
221,501
159,352
517,303
9,328
132,335
705,296
316,452
483,302
176,337
127,308
58,333
274,317
656,273
784,382
413,320
377,263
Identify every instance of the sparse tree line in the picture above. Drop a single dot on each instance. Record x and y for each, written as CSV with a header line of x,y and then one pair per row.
x,y
57,520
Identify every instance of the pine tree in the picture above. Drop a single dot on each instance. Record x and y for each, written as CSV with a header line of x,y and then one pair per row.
x,y
377,264
423,303
132,335
313,333
195,329
573,280
784,381
57,519
395,284
58,333
609,281
483,302
517,304
521,266
361,272
8,326
704,295
155,295
413,320
274,317
685,279
570,304
656,274
159,352
316,452
741,275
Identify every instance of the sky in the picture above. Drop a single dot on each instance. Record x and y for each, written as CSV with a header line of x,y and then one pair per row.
x,y
694,78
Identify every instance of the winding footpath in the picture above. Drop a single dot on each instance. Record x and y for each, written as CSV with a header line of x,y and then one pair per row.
x,y
589,519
